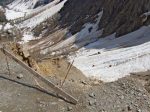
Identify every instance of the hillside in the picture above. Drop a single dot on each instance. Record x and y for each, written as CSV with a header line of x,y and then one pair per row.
x,y
107,41
107,27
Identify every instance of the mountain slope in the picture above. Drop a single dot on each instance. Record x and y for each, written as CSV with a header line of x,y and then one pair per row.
x,y
111,32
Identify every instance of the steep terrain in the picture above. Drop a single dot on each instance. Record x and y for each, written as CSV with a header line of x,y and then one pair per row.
x,y
101,28
104,40
121,17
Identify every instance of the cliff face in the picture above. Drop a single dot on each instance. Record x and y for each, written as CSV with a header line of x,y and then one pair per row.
x,y
4,2
120,16
124,16
2,15
78,12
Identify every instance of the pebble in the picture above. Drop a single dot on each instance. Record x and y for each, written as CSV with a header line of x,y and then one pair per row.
x,y
69,108
129,108
54,103
83,82
92,103
60,100
110,65
122,97
139,110
103,110
132,92
18,94
72,80
92,95
20,76
140,94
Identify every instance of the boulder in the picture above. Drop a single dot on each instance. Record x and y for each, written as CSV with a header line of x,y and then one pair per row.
x,y
2,15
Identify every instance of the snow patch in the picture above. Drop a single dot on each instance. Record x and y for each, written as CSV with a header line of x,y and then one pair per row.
x,y
8,26
87,35
11,14
31,23
22,5
110,58
27,37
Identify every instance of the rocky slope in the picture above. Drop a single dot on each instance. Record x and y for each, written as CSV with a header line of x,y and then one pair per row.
x,y
72,31
120,16
2,15
69,25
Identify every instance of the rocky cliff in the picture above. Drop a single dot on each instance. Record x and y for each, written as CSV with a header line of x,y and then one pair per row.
x,y
120,16
2,15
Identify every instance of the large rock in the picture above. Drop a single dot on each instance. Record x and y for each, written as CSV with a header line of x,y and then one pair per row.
x,y
2,14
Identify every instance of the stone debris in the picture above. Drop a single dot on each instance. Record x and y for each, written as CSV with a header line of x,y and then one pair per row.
x,y
20,76
69,108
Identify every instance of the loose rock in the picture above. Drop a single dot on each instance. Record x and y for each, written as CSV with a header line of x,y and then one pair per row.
x,y
69,108
20,76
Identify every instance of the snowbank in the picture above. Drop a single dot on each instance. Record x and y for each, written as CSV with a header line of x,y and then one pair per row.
x,y
11,14
22,5
43,16
112,58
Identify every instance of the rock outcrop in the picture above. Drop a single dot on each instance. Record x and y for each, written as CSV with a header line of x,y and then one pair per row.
x,y
2,15
120,16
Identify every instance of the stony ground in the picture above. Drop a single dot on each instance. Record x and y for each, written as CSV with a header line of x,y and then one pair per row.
x,y
125,95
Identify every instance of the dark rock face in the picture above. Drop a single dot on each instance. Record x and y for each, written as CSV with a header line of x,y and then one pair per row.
x,y
78,12
123,16
42,2
120,16
5,2
2,15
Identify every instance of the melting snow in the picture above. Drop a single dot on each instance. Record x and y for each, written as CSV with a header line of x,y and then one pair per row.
x,y
11,14
43,16
22,5
81,38
112,58
27,37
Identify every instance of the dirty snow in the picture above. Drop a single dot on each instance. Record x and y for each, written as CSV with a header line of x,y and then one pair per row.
x,y
79,39
45,7
8,26
22,5
27,37
111,58
43,15
11,14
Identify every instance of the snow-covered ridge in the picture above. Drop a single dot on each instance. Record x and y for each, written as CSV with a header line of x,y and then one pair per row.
x,y
108,61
